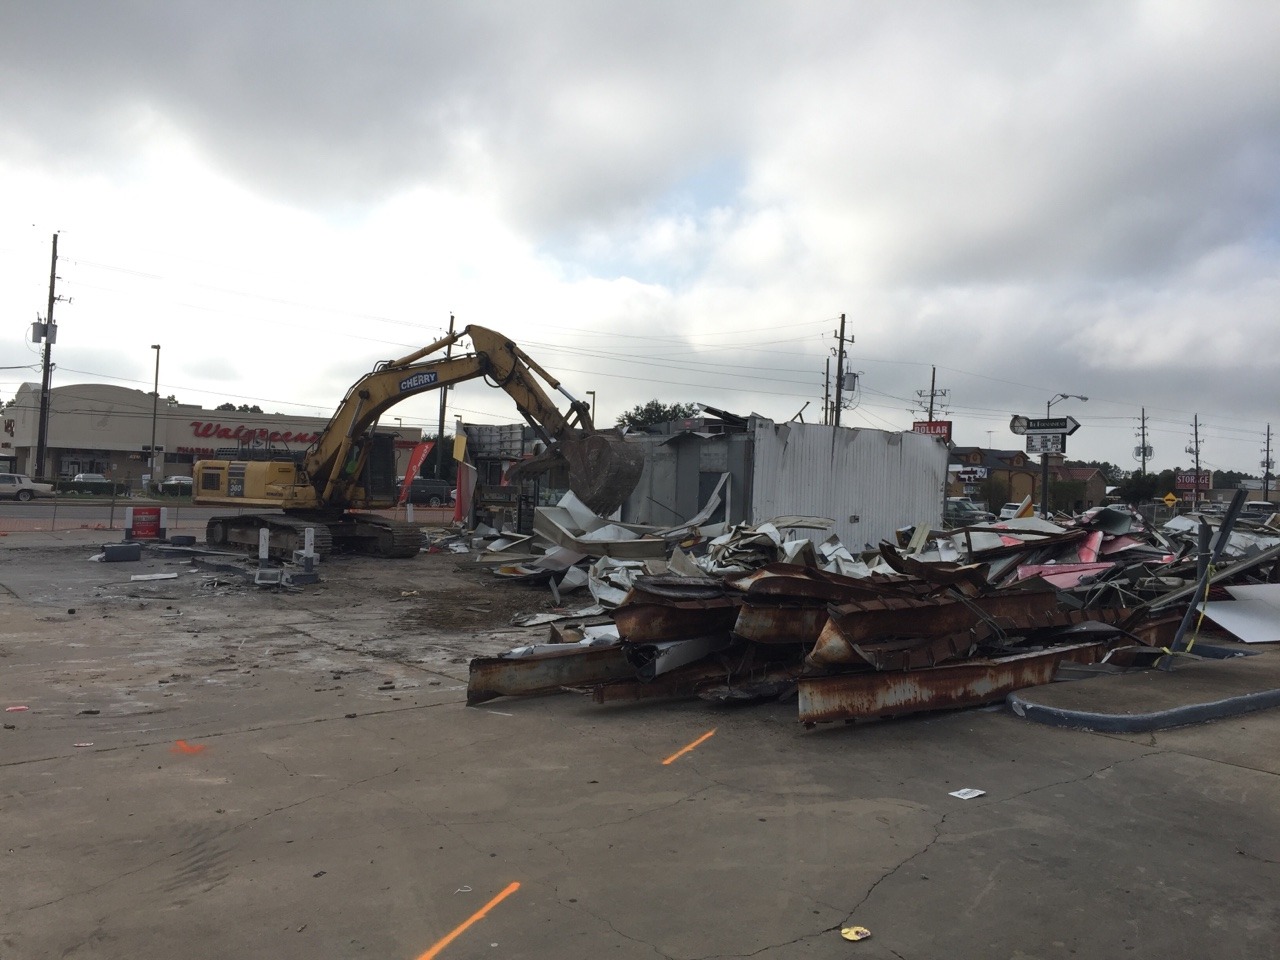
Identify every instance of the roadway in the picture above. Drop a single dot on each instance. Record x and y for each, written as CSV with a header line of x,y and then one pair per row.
x,y
101,513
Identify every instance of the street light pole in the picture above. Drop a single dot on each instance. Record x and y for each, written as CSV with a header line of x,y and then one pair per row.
x,y
155,400
1044,457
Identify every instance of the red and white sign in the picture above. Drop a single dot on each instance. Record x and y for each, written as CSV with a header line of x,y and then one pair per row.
x,y
934,428
205,429
1187,480
416,459
145,523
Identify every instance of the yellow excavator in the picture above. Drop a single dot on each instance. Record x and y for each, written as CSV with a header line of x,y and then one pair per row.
x,y
351,468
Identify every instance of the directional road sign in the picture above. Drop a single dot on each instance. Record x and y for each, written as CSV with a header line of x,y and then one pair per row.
x,y
1043,425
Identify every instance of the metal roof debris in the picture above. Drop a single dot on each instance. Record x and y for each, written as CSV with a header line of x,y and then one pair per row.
x,y
940,619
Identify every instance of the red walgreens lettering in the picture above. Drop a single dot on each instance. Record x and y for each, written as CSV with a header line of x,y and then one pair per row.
x,y
205,429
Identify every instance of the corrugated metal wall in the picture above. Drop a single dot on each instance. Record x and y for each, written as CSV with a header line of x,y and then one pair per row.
x,y
884,480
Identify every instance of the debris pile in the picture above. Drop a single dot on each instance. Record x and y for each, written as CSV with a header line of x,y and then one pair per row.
x,y
941,619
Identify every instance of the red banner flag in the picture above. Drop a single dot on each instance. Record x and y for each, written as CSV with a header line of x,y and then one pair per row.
x,y
415,464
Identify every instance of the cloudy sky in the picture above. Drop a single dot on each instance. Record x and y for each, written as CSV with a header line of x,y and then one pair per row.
x,y
662,200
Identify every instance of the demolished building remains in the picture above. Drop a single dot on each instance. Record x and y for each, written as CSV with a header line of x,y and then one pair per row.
x,y
925,620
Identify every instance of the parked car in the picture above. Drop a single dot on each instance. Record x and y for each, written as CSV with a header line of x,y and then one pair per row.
x,y
89,478
18,486
177,486
959,514
428,491
1258,509
1008,511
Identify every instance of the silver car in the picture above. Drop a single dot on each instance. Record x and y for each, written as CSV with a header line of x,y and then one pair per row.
x,y
18,486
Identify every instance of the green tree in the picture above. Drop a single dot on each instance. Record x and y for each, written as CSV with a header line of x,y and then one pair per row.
x,y
995,492
1230,479
243,408
1110,472
655,411
1138,488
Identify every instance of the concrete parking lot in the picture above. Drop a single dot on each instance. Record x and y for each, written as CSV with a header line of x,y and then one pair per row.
x,y
206,769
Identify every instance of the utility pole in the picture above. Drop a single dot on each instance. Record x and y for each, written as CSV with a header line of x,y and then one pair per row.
x,y
840,370
1267,464
1145,448
933,393
826,396
153,477
444,393
49,331
1194,450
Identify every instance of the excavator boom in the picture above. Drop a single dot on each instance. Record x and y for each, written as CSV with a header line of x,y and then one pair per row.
x,y
603,470
334,476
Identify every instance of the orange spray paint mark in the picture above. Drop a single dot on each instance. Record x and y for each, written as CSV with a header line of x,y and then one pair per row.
x,y
183,747
683,750
478,915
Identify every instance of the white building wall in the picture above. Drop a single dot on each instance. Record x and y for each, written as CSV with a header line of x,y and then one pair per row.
x,y
105,425
870,482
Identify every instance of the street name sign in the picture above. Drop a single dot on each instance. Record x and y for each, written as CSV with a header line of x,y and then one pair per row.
x,y
1038,426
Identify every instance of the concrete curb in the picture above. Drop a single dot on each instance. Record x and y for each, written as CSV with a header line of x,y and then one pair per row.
x,y
1141,722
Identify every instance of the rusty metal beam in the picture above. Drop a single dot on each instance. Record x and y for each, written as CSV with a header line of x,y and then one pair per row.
x,y
679,683
864,696
492,677
915,653
796,582
897,649
780,622
971,579
851,624
677,620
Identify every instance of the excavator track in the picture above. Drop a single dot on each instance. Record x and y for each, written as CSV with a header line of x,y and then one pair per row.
x,y
287,534
367,534
376,536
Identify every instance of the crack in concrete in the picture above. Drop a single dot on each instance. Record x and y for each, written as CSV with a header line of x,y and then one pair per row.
x,y
1081,778
281,725
1194,756
937,835
1254,856
578,907
769,947
319,796
938,829
644,813
286,767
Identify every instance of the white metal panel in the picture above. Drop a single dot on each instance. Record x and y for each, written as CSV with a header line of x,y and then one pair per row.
x,y
870,482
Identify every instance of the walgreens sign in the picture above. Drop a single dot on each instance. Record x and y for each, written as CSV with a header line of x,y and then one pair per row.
x,y
209,429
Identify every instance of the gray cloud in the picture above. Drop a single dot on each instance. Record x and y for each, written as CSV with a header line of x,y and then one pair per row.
x,y
1078,196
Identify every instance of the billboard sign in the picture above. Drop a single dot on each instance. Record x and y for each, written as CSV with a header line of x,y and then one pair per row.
x,y
1187,480
1046,443
934,428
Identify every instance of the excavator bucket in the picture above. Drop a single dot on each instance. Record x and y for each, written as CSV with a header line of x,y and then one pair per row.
x,y
603,469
